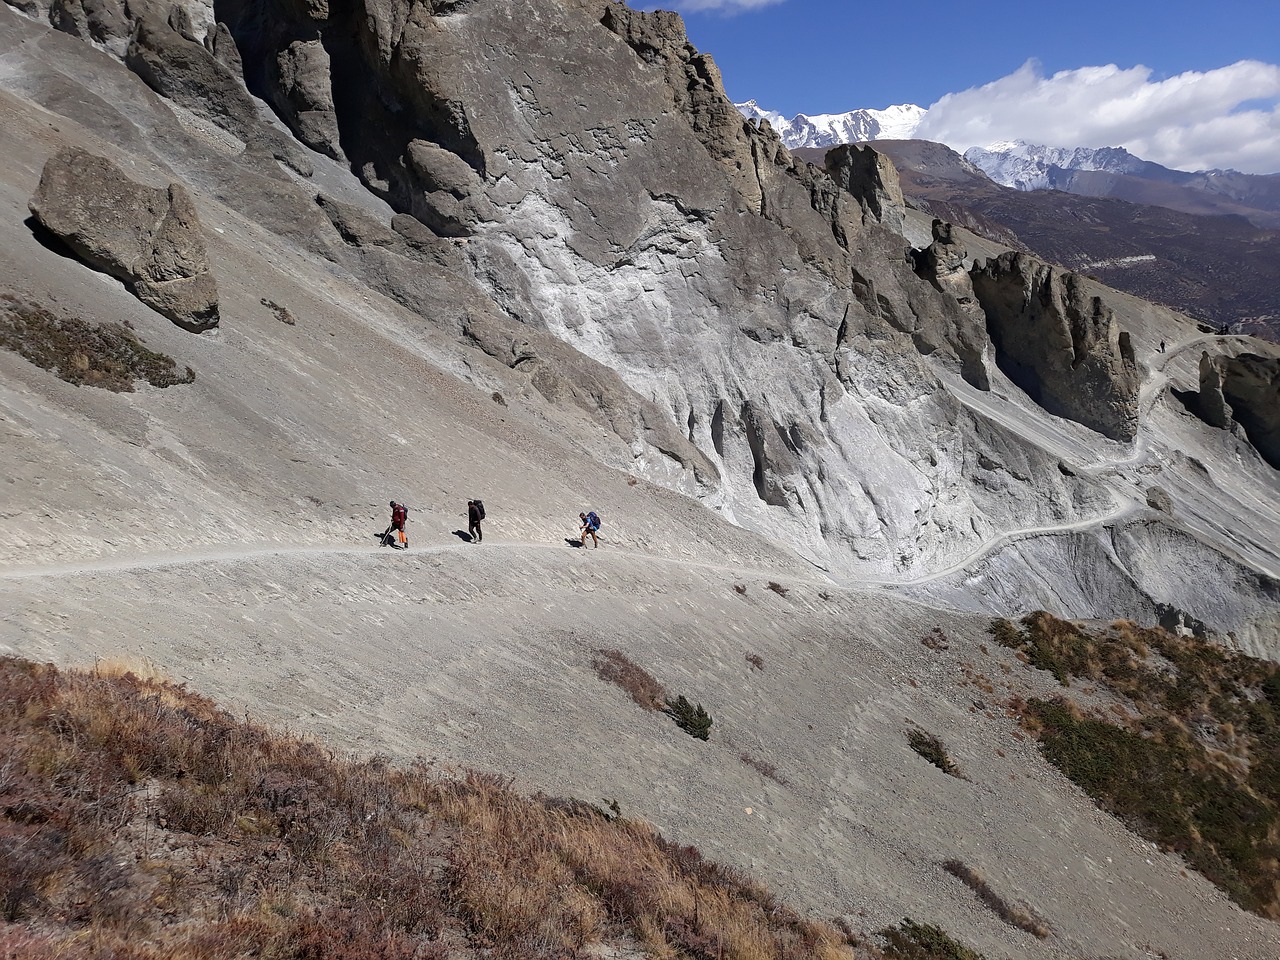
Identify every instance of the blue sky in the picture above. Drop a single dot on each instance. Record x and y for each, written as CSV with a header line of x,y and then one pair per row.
x,y
829,56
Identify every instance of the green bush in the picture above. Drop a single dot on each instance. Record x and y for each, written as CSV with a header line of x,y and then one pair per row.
x,y
920,941
694,721
932,749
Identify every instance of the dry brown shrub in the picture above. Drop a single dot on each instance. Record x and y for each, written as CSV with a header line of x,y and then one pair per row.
x,y
105,355
1024,918
614,666
178,832
763,768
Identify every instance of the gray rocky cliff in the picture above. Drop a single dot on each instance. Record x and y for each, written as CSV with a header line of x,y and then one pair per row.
x,y
563,188
614,201
1060,345
1241,392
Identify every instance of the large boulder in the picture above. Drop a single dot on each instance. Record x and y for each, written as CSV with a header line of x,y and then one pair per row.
x,y
148,237
1059,344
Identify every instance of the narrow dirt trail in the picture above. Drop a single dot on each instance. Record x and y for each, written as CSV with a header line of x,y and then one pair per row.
x,y
231,555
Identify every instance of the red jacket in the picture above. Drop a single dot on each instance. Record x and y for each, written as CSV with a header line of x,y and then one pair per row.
x,y
399,515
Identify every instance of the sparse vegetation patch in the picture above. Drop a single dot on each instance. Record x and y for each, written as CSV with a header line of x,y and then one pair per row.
x,y
106,355
1024,918
920,941
931,748
693,720
763,768
1193,766
614,666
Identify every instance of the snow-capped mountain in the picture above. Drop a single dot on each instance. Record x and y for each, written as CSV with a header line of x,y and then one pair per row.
x,y
897,122
1029,166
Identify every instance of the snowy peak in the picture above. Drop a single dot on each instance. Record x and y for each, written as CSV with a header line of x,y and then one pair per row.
x,y
1028,166
898,122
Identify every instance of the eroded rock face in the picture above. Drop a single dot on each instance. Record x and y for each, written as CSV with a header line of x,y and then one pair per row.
x,y
942,264
188,72
872,179
148,237
1058,344
1243,390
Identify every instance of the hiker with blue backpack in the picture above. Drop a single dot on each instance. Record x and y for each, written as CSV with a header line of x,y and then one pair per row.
x,y
590,527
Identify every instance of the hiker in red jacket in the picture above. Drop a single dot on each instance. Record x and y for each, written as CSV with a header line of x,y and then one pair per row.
x,y
399,516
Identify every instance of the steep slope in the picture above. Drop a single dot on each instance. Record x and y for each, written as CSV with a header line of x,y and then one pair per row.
x,y
743,324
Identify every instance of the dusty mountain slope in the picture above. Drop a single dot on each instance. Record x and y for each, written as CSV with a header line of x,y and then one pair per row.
x,y
482,656
865,460
617,296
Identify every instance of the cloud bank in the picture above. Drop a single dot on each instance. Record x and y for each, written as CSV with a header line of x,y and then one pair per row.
x,y
1223,118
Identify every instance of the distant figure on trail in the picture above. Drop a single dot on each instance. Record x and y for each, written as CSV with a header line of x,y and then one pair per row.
x,y
399,517
475,513
1162,346
590,526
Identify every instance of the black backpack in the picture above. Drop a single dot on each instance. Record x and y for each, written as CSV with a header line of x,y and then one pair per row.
x,y
479,508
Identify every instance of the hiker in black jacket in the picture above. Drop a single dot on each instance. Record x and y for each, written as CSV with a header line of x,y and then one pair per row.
x,y
475,513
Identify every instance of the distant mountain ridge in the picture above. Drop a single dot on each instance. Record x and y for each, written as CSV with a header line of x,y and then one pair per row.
x,y
1116,173
1085,171
897,122
1029,166
1148,248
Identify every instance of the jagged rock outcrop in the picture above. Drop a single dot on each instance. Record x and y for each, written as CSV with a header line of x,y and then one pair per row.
x,y
185,71
871,178
148,237
1059,344
1243,390
942,264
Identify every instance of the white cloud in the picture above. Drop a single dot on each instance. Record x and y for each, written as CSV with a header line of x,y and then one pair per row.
x,y
1192,121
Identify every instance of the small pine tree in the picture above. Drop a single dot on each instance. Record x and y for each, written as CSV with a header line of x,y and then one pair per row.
x,y
694,721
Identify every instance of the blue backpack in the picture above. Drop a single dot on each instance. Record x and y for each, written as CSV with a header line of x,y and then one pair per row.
x,y
593,520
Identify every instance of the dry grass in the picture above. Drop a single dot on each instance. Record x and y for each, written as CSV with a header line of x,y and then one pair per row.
x,y
756,661
141,822
106,355
1024,918
777,588
614,666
